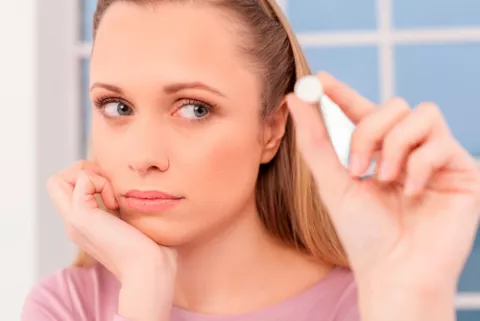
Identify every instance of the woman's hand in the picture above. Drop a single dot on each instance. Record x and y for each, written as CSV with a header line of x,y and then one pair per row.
x,y
411,226
135,260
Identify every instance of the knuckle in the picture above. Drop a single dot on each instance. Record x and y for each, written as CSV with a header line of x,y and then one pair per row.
x,y
428,105
419,160
53,181
356,140
323,75
432,112
399,102
430,108
364,137
82,163
394,140
328,80
76,167
399,105
71,171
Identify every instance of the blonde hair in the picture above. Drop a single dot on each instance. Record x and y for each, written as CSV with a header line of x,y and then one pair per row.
x,y
287,197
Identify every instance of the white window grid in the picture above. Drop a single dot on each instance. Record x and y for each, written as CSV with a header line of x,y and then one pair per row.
x,y
386,38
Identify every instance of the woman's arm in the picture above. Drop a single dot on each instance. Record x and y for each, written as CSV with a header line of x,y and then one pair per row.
x,y
143,268
156,289
400,302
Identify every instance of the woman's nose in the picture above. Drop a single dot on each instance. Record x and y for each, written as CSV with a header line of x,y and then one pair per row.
x,y
148,152
144,167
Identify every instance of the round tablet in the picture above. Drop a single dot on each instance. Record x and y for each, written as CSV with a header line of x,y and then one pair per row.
x,y
309,89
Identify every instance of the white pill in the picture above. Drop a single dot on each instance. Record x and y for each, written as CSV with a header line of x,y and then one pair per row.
x,y
309,89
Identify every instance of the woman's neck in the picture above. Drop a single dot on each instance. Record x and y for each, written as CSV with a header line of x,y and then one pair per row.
x,y
242,269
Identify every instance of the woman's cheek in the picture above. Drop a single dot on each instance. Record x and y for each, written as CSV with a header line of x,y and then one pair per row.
x,y
224,162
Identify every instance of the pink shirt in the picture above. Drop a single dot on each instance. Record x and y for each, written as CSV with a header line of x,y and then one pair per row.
x,y
90,294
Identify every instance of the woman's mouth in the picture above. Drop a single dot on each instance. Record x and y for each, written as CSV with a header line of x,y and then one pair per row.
x,y
150,201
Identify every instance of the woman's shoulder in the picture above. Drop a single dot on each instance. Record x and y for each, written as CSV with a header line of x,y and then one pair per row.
x,y
73,293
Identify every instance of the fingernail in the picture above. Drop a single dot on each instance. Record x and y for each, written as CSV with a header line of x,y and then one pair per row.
x,y
355,165
385,172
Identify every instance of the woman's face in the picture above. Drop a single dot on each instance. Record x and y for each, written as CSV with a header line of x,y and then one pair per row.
x,y
176,110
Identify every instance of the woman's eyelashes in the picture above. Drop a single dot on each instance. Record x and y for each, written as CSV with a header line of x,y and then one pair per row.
x,y
190,109
193,110
112,107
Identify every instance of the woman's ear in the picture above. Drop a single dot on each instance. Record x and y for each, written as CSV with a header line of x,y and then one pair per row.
x,y
274,130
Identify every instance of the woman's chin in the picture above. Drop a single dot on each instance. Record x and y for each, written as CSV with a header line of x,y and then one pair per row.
x,y
160,230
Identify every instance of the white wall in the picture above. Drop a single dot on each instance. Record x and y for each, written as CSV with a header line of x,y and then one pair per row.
x,y
17,159
38,136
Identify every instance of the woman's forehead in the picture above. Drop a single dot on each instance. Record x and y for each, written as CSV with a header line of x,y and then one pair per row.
x,y
180,42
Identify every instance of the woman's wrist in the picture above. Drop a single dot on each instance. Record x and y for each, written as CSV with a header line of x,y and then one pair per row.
x,y
401,302
146,295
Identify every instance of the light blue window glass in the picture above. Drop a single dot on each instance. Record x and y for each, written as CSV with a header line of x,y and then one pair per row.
x,y
85,104
448,75
468,315
87,10
470,279
436,13
356,66
322,15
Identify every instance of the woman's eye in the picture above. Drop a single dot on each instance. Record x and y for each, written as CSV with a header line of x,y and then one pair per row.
x,y
193,111
116,109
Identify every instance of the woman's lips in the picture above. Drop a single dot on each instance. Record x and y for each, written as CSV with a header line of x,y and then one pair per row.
x,y
150,201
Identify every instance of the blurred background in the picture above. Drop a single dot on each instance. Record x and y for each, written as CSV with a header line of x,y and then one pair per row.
x,y
423,50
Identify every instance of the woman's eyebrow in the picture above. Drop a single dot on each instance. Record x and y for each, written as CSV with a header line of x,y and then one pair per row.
x,y
174,87
110,87
169,88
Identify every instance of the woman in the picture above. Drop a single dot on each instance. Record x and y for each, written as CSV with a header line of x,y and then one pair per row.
x,y
212,214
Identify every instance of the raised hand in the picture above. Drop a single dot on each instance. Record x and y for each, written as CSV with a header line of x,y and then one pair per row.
x,y
131,256
414,221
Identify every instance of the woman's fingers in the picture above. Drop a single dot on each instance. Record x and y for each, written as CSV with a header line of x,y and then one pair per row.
x,y
370,132
70,174
318,152
88,184
423,162
61,187
354,106
61,193
409,145
424,123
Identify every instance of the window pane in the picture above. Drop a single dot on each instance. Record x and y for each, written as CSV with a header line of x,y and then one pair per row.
x,y
322,15
468,315
470,279
88,8
85,104
357,66
447,74
436,13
